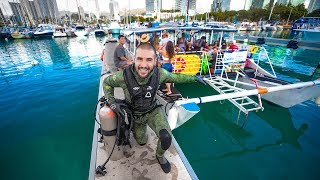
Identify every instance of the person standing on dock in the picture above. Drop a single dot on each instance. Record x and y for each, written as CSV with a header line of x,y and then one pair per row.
x,y
121,60
140,82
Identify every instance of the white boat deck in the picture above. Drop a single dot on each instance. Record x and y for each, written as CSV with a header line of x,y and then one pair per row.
x,y
139,162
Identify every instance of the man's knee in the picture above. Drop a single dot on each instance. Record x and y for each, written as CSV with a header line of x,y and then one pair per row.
x,y
165,139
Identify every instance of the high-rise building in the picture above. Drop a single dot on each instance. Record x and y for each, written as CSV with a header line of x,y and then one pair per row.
x,y
216,5
26,10
2,19
47,9
153,6
297,2
284,2
114,10
18,14
182,5
81,12
225,5
150,6
247,4
34,12
158,5
313,5
261,3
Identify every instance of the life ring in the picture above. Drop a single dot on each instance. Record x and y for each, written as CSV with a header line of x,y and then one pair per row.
x,y
102,54
254,49
178,65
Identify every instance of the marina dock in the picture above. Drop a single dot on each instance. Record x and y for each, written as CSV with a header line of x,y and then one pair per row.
x,y
139,162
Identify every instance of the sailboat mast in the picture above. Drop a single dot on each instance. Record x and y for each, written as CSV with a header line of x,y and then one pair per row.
x,y
187,15
272,9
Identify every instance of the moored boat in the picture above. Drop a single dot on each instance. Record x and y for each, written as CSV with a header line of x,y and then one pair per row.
x,y
22,33
43,31
60,32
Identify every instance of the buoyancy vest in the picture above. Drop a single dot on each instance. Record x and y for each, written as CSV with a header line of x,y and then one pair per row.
x,y
142,96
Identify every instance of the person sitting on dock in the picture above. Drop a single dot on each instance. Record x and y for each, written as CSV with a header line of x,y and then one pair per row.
x,y
140,82
120,59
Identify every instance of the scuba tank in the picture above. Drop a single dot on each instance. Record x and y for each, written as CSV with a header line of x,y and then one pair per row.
x,y
108,120
115,130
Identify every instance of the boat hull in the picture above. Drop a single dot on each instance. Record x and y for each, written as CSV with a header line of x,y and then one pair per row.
x,y
60,34
43,35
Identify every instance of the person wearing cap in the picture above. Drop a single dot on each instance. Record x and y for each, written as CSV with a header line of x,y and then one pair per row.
x,y
121,60
140,82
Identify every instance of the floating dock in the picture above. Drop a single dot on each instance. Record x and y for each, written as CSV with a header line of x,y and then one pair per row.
x,y
140,161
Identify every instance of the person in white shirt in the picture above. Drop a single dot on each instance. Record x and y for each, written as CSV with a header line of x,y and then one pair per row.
x,y
164,40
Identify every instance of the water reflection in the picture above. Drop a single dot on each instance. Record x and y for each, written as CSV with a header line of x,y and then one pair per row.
x,y
59,53
283,123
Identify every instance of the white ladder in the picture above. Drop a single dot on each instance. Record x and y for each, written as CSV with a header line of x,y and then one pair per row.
x,y
244,104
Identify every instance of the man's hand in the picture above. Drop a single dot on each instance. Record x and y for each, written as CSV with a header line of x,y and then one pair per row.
x,y
199,79
116,108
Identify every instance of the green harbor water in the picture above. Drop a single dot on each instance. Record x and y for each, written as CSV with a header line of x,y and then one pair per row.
x,y
46,118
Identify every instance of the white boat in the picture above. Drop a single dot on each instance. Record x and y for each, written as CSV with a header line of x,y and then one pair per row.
x,y
81,31
114,27
310,34
44,30
269,27
60,32
224,69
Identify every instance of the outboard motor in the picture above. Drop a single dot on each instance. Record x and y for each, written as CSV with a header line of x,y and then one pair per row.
x,y
292,44
260,41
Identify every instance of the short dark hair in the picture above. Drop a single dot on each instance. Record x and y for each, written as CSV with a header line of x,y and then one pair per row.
x,y
203,37
120,36
147,46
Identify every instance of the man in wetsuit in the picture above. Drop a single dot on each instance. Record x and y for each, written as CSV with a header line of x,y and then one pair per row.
x,y
140,82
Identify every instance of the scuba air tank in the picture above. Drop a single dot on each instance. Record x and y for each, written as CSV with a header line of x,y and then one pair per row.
x,y
108,120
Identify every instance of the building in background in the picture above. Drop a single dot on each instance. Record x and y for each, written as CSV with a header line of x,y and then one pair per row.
x,y
114,10
35,12
313,5
297,2
81,13
216,5
27,10
153,6
150,8
47,9
18,14
182,5
97,10
2,18
247,4
225,5
284,2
